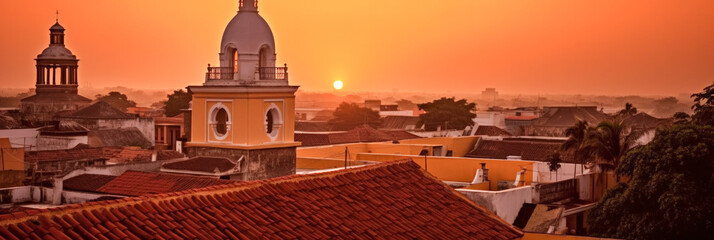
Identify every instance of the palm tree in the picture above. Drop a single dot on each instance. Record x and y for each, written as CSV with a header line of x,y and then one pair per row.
x,y
577,141
628,111
611,141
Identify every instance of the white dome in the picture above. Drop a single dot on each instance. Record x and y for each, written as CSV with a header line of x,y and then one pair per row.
x,y
55,51
247,32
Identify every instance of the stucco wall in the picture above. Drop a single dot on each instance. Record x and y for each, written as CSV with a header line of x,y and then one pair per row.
x,y
22,138
257,164
145,126
542,173
505,204
462,169
59,142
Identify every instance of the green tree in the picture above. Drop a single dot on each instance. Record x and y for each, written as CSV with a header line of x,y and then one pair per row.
x,y
554,161
406,104
448,113
669,194
611,141
118,100
578,142
176,101
347,116
704,106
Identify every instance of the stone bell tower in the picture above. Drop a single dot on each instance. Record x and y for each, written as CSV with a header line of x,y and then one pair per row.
x,y
245,109
56,83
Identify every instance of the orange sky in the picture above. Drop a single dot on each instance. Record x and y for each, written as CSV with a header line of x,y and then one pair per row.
x,y
553,46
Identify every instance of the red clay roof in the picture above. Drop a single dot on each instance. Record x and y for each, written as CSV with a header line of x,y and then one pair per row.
x,y
390,200
135,183
491,131
87,182
116,154
359,134
528,149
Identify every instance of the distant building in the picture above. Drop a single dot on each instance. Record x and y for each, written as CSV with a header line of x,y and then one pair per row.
x,y
489,95
111,127
56,83
555,120
168,131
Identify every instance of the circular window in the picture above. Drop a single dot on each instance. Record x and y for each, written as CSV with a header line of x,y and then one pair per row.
x,y
219,121
273,122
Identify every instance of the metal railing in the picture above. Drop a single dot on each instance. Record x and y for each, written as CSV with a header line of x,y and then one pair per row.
x,y
264,73
219,73
273,73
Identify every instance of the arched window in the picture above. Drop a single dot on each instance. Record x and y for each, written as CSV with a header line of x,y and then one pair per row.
x,y
219,121
235,60
273,121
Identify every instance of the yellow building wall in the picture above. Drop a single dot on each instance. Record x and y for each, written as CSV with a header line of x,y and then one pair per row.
x,y
324,163
338,151
462,169
11,158
459,146
247,117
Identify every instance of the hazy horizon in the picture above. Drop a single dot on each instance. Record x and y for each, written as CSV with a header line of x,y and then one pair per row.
x,y
649,48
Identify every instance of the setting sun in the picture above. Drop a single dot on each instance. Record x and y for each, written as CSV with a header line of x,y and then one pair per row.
x,y
337,85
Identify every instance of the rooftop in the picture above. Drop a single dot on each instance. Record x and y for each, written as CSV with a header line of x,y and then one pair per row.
x,y
135,183
100,110
527,149
384,200
491,131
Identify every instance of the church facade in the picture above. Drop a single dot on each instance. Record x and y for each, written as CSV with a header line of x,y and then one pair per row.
x,y
245,109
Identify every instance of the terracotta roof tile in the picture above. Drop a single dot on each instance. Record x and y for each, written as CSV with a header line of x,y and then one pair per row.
x,y
391,200
528,149
87,182
491,131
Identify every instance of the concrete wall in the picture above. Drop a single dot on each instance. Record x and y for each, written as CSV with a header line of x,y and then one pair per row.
x,y
462,169
505,204
542,173
145,126
460,146
325,163
257,163
59,142
22,138
34,194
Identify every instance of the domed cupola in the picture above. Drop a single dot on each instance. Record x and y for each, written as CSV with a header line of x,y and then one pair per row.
x,y
56,65
247,54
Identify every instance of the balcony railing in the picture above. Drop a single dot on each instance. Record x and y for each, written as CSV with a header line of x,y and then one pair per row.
x,y
273,73
264,73
219,73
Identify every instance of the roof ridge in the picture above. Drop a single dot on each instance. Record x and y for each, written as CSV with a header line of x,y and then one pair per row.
x,y
33,214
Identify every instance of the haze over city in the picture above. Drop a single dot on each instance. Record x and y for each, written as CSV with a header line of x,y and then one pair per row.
x,y
661,48
324,119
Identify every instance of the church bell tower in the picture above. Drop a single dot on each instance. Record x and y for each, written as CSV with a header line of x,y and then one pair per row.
x,y
245,109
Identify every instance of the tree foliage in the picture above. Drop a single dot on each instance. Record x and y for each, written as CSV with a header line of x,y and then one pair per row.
x,y
554,161
117,100
578,140
669,194
175,102
610,141
447,113
629,110
704,106
347,116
